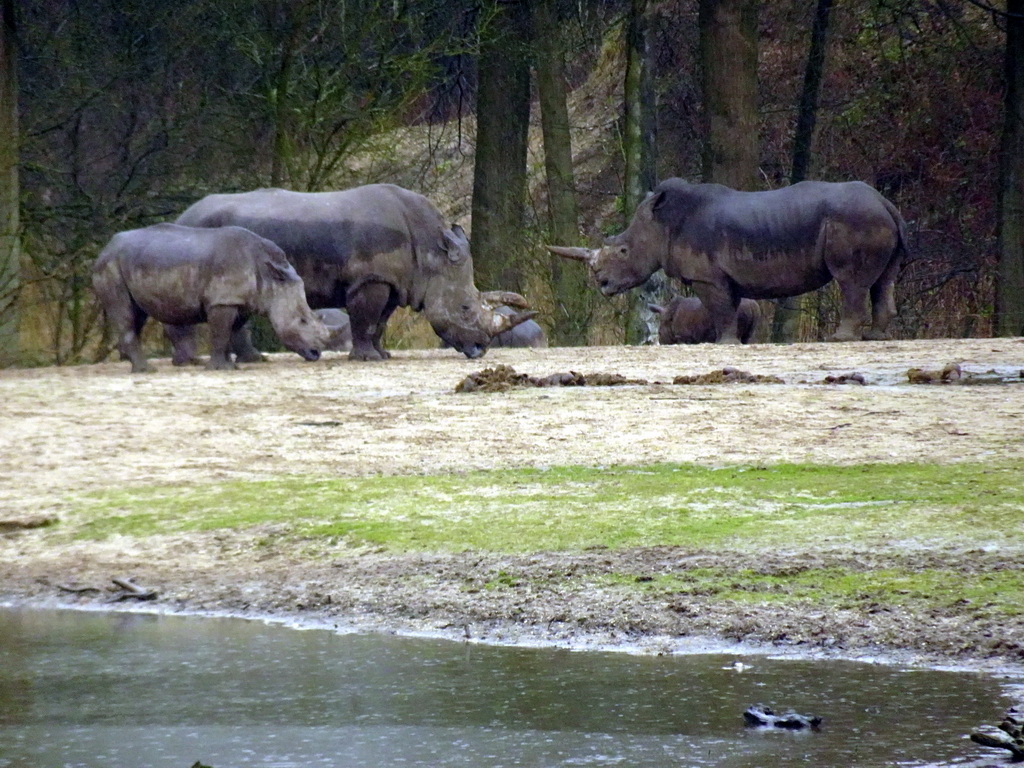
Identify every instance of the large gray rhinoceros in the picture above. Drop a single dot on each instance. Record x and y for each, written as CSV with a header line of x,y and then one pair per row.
x,y
731,245
370,250
182,276
685,320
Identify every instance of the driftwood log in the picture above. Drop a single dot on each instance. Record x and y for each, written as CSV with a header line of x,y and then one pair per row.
x,y
1008,735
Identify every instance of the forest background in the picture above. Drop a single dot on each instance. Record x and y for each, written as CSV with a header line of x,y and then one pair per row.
x,y
532,120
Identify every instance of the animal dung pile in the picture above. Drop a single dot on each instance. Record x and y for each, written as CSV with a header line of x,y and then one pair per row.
x,y
502,378
845,378
950,373
728,375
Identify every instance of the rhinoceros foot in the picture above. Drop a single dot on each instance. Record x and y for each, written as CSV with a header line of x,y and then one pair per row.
x,y
368,355
220,365
251,357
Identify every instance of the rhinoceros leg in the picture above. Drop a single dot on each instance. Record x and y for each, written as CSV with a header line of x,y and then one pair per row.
x,y
125,318
722,307
183,341
245,351
883,303
129,340
369,307
223,321
854,313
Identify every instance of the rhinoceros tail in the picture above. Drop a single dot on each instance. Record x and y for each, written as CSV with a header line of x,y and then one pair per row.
x,y
902,250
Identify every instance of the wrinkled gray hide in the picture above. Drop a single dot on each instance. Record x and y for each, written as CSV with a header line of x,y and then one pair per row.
x,y
181,276
731,245
686,321
369,250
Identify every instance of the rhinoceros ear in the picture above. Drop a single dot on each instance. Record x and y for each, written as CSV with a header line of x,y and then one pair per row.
x,y
455,243
282,272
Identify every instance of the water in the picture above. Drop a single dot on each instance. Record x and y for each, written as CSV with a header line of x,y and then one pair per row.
x,y
110,690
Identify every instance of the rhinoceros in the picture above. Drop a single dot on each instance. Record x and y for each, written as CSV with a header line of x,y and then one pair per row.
x,y
339,327
526,334
686,321
181,276
370,250
731,245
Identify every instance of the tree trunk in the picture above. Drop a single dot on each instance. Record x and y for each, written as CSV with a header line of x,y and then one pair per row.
x,y
1009,320
639,138
808,111
293,17
570,293
786,323
728,52
499,173
10,263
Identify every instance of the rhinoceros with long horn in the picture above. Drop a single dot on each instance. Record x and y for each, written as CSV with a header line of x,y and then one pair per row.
x,y
181,276
730,245
685,320
370,250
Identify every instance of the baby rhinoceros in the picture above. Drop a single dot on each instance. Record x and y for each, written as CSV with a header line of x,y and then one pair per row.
x,y
338,326
181,276
687,321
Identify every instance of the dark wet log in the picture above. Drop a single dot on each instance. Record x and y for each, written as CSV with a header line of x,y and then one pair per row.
x,y
1008,735
132,591
997,739
8,525
763,717
76,590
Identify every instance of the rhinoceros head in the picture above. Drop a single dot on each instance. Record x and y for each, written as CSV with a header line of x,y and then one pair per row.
x,y
284,300
463,317
625,260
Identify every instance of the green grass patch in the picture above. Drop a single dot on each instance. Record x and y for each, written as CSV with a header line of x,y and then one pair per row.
x,y
795,507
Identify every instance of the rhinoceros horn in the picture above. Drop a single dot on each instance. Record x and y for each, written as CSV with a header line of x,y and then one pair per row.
x,y
501,323
493,299
579,254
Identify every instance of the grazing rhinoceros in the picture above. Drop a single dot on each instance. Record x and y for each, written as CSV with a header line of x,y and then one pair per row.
x,y
686,321
526,334
370,250
182,276
731,245
339,327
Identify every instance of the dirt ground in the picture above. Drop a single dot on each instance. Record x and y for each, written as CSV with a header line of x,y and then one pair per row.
x,y
68,430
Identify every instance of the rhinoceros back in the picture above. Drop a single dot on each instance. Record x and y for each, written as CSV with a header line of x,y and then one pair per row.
x,y
331,238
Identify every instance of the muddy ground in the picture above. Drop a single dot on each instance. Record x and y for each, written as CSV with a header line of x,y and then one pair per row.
x,y
69,430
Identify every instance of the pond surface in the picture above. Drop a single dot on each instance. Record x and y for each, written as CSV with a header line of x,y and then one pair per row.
x,y
112,690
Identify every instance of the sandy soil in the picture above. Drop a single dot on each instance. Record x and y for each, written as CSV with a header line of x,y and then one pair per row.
x,y
68,430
